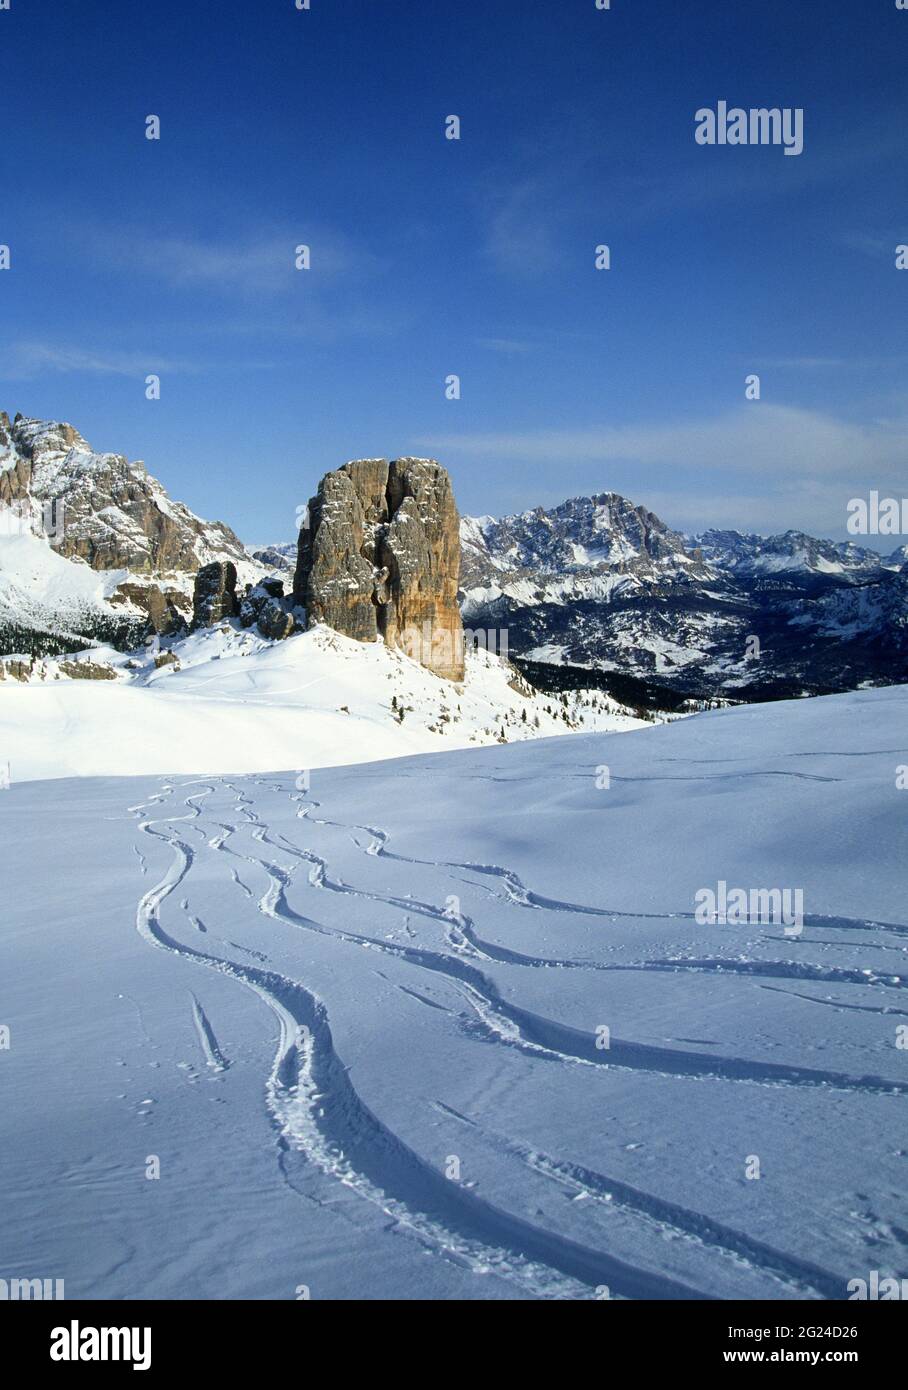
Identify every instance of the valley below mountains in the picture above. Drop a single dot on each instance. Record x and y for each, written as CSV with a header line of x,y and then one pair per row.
x,y
594,594
598,591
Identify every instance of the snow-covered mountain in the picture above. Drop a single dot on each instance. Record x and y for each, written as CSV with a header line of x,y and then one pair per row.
x,y
279,558
91,545
793,553
446,1027
594,592
116,515
588,547
601,585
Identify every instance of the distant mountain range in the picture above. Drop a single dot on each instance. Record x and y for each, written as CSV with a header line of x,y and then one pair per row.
x,y
594,592
600,585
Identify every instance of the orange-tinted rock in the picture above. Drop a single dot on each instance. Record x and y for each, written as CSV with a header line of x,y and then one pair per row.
x,y
381,558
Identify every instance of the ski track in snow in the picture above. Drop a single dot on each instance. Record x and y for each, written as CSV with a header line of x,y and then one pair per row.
x,y
522,896
802,1278
214,1057
317,1111
321,1120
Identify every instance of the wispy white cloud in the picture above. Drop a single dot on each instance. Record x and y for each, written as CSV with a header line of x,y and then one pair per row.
x,y
258,263
526,216
791,505
520,228
762,439
873,244
760,468
805,363
25,360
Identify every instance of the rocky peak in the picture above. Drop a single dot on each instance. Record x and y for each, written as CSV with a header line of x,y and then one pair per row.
x,y
604,534
380,557
41,439
114,514
791,552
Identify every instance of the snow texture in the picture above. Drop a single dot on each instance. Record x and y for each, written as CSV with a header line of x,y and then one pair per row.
x,y
356,1018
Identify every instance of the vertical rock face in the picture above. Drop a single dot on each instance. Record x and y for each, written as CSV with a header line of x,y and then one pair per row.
x,y
214,596
381,558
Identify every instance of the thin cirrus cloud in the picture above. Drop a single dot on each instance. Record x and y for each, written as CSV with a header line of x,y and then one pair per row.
x,y
508,347
796,504
260,264
879,248
519,238
762,439
759,468
26,360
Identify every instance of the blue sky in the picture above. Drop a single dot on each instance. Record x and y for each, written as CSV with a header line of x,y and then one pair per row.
x,y
476,257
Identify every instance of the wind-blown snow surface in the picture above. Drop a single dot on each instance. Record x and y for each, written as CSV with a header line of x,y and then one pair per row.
x,y
356,1023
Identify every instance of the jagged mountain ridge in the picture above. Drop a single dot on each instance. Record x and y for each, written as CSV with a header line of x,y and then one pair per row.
x,y
598,583
91,544
794,551
117,516
569,547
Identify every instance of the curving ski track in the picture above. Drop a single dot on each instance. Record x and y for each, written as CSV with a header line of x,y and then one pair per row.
x,y
322,1121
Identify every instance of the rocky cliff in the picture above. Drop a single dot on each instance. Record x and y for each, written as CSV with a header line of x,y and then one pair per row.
x,y
91,545
111,513
380,557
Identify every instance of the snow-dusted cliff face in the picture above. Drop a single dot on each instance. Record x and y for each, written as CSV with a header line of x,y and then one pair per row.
x,y
794,552
600,583
115,515
91,546
588,546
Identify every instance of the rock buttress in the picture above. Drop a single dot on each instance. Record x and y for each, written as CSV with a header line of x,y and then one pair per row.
x,y
381,558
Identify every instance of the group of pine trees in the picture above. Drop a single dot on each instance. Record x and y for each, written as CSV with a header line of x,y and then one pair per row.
x,y
124,634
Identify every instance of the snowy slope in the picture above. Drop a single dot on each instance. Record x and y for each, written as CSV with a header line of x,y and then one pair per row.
x,y
36,580
43,592
238,703
356,1024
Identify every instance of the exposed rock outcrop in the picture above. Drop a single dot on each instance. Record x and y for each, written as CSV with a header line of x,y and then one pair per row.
x,y
256,596
264,604
16,669
274,621
110,512
214,596
88,670
381,558
19,669
169,610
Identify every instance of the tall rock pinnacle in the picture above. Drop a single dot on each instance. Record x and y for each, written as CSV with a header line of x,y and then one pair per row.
x,y
381,558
